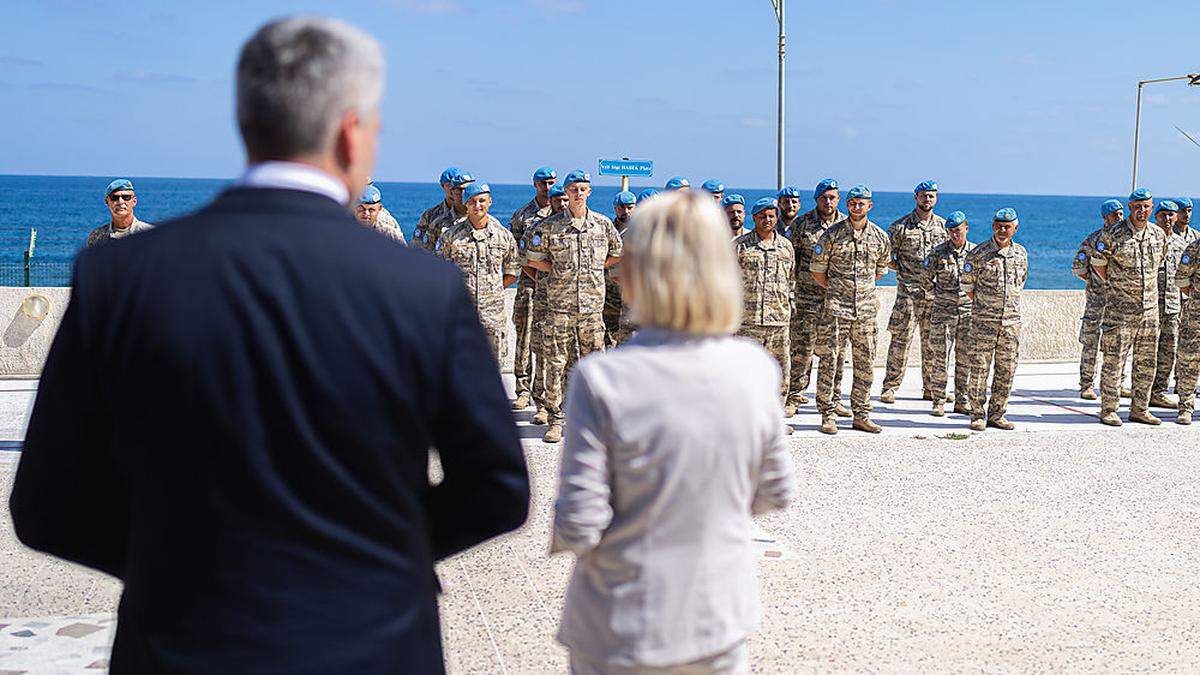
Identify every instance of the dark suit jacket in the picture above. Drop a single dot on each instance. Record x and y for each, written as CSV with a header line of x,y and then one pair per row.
x,y
235,419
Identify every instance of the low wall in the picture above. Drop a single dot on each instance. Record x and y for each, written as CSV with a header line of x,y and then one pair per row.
x,y
1049,333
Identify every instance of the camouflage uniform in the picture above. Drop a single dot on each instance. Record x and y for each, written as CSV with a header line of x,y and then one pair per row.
x,y
617,326
912,242
107,232
851,261
1131,313
768,282
523,303
485,256
1169,305
806,319
386,225
533,245
949,319
1093,310
1188,374
996,276
576,249
431,223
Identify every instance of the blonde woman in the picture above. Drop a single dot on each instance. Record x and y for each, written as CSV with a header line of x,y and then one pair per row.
x,y
673,443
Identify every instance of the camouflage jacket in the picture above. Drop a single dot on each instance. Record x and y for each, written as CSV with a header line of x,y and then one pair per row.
x,y
1189,235
996,276
912,241
1170,300
768,279
1187,275
386,225
485,256
106,231
524,216
431,223
1132,259
1094,286
576,249
532,243
783,229
944,268
852,261
612,289
807,231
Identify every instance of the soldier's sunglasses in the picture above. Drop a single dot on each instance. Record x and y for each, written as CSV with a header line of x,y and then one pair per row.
x,y
121,196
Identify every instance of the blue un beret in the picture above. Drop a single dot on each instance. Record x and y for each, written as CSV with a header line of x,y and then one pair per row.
x,y
955,219
448,175
1167,205
713,185
1183,202
544,173
677,183
859,191
625,198
824,186
556,190
461,178
576,176
118,185
476,189
370,195
1140,194
1006,215
788,191
762,205
735,198
926,186
646,194
1111,206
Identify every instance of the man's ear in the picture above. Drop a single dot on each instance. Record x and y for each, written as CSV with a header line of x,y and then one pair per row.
x,y
346,144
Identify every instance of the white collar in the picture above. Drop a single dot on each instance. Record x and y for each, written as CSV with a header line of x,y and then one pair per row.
x,y
294,176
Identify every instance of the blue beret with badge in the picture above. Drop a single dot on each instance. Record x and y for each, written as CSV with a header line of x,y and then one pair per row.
x,y
1111,206
859,191
1006,215
544,173
955,219
926,186
626,198
1183,202
370,195
476,189
677,183
713,185
556,190
825,186
735,198
448,175
1168,206
646,194
1140,195
576,176
788,191
461,178
762,205
118,185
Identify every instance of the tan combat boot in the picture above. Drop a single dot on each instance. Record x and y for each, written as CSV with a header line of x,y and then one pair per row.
x,y
962,408
864,423
1185,418
1144,417
978,424
949,398
1087,394
521,403
927,395
553,434
939,409
1001,423
789,410
800,399
1126,392
841,410
788,430
539,418
1162,400
829,425
888,396
1110,418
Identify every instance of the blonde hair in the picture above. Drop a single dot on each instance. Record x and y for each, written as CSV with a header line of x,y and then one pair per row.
x,y
680,267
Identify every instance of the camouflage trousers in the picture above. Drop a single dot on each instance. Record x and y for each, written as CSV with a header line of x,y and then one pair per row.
x,y
775,340
1140,336
948,339
805,332
862,334
909,313
1089,338
1164,365
523,321
993,351
1187,374
493,327
617,327
569,337
540,314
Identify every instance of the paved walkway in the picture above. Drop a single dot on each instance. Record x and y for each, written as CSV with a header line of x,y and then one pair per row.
x,y
1063,545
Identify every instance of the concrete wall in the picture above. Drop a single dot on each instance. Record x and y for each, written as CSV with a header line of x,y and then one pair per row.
x,y
1049,333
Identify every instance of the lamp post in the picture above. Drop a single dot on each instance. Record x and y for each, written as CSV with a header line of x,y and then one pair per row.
x,y
1193,81
778,4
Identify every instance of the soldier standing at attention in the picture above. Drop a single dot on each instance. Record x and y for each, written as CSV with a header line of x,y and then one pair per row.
x,y
913,238
1187,278
810,298
1169,306
950,316
1183,220
617,326
768,281
715,188
993,276
848,260
486,253
1127,257
735,213
536,209
433,227
535,245
438,211
789,210
1112,212
369,212
120,200
579,244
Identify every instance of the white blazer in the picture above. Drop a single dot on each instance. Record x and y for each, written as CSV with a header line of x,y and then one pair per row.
x,y
672,442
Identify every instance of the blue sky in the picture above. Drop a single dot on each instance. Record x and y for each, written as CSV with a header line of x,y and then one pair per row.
x,y
1012,97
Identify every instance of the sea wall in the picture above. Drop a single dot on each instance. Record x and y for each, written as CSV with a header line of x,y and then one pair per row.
x,y
30,317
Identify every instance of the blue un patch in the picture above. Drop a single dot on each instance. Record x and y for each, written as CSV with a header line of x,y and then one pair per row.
x,y
1082,255
817,249
537,240
1185,259
1100,246
967,267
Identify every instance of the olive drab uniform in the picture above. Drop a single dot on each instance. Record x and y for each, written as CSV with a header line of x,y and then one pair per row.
x,y
576,249
617,326
523,303
1132,259
852,261
768,282
1093,309
995,276
1170,303
810,298
912,241
431,223
949,319
1187,375
484,256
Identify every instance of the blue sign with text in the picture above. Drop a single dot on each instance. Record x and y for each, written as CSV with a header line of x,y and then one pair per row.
x,y
626,167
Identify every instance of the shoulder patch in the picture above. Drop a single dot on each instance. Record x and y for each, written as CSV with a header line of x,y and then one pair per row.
x,y
818,249
967,267
1185,259
1100,246
1082,256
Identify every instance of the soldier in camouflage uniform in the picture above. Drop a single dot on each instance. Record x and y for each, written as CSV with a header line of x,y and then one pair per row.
x,y
1112,212
735,213
913,238
806,320
848,260
577,245
120,200
768,282
536,209
1169,306
1187,377
789,210
535,245
486,253
1128,256
950,316
617,326
444,213
993,276
369,212
1183,221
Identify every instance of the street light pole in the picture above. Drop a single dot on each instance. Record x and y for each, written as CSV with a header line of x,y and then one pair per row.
x,y
778,4
1193,80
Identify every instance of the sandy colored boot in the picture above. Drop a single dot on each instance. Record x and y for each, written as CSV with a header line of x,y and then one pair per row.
x,y
829,425
888,396
1087,394
1144,417
978,424
841,410
789,410
1110,418
521,403
864,423
1001,423
1163,401
553,434
939,409
1184,418
540,417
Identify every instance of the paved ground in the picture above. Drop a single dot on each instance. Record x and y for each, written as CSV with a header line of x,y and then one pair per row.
x,y
1063,545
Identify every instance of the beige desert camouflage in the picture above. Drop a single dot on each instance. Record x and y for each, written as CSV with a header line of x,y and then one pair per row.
x,y
949,318
1187,375
431,223
484,256
1093,309
386,225
519,224
107,232
996,277
912,241
768,281
1170,303
617,325
809,299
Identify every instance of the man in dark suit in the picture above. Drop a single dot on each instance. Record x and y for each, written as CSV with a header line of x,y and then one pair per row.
x,y
236,415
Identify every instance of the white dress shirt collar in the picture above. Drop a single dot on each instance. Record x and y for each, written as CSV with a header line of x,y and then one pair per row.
x,y
294,176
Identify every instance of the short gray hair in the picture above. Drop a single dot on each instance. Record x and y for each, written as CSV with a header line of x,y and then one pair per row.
x,y
296,77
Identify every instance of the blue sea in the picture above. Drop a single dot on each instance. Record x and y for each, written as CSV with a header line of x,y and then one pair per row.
x,y
65,208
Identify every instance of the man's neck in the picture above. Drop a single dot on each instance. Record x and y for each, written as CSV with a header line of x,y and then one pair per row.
x,y
858,224
578,211
1181,227
922,216
541,201
826,217
1138,226
122,223
765,235
958,247
1001,244
478,223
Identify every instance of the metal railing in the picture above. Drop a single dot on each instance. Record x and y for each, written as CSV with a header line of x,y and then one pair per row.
x,y
35,273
